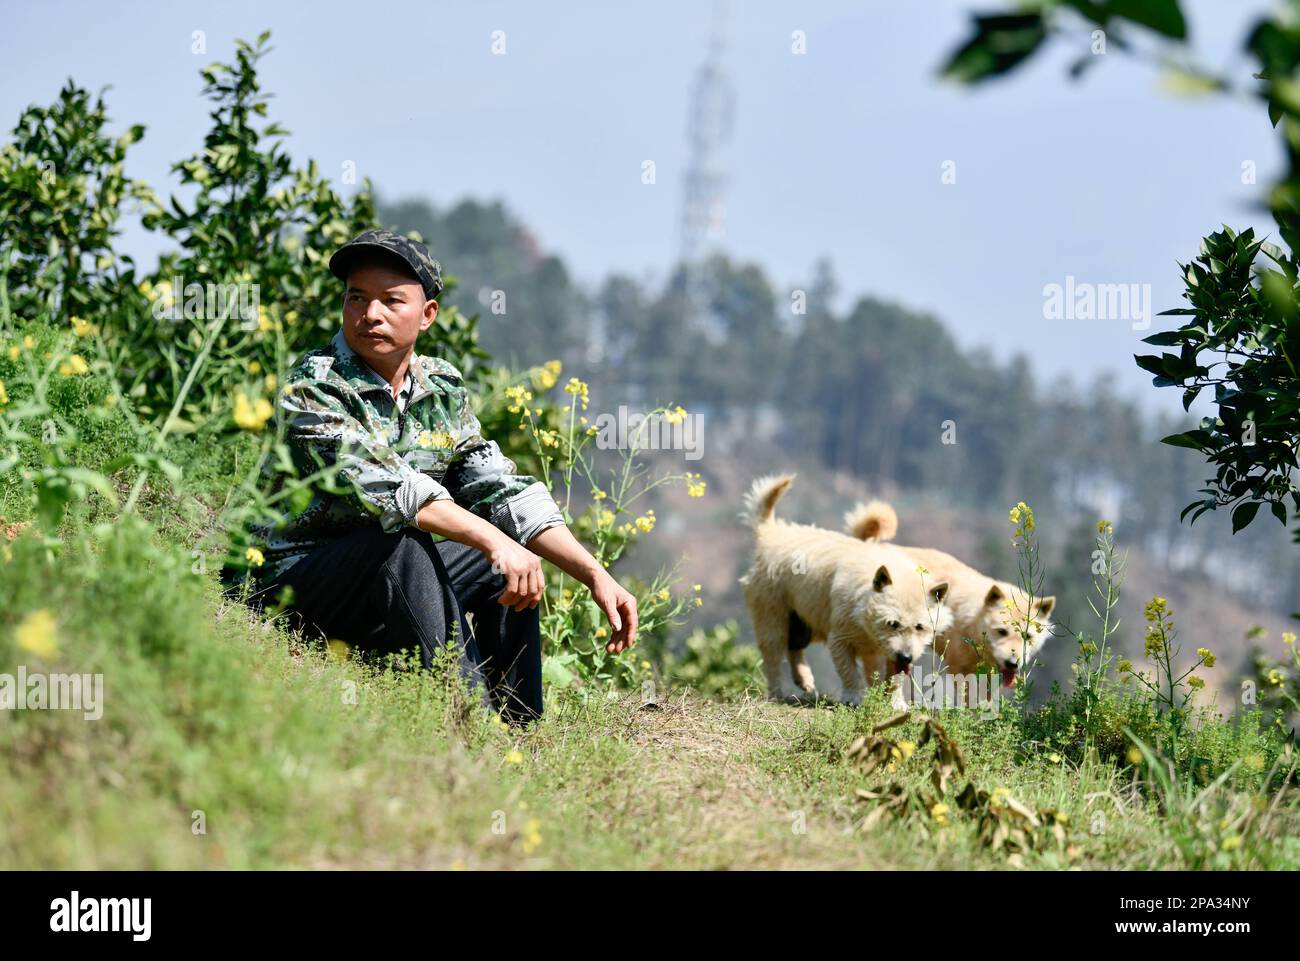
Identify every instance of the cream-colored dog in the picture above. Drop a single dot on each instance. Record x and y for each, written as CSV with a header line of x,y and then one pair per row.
x,y
985,628
871,606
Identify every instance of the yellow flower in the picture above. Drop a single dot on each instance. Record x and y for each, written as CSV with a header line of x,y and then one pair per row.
x,y
4,395
1206,655
269,382
922,570
291,317
646,523
940,812
663,595
1276,677
1105,527
336,650
1054,758
254,557
578,388
1288,637
1195,683
1155,608
263,319
907,747
695,487
252,413
435,438
518,396
14,352
1134,755
1125,665
81,327
604,518
598,495
29,341
544,377
699,602
73,366
254,367
532,837
1023,516
675,416
601,632
1232,843
515,756
35,634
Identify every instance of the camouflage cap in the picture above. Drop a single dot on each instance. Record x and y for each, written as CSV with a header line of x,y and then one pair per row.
x,y
411,252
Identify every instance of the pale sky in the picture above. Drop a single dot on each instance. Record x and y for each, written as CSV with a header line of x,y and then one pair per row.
x,y
837,152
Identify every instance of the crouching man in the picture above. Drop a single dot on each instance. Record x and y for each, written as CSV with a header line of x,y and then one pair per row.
x,y
427,521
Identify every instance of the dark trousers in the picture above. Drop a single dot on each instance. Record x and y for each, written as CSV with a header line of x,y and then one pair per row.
x,y
385,593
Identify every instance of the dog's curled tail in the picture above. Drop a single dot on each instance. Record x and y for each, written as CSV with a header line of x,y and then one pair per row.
x,y
873,521
760,502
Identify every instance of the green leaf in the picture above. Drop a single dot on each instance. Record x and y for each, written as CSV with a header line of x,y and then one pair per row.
x,y
1243,514
1167,338
1162,16
1000,43
1190,440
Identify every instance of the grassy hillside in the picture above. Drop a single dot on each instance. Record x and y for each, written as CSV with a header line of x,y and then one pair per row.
x,y
286,756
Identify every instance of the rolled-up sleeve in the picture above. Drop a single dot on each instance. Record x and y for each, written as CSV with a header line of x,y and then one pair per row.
x,y
528,513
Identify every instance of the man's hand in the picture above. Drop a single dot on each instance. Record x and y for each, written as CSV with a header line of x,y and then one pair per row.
x,y
525,582
561,548
620,610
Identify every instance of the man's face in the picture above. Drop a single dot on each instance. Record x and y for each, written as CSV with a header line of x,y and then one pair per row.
x,y
384,311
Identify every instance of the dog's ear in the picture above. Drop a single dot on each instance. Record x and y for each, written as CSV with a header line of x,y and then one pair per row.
x,y
939,592
882,579
1045,606
994,596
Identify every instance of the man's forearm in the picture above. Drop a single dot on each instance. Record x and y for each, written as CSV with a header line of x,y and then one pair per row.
x,y
449,519
559,546
555,544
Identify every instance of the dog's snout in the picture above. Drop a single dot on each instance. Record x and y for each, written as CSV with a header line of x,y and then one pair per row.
x,y
904,659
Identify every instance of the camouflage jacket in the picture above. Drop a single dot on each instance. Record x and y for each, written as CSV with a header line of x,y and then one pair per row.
x,y
390,460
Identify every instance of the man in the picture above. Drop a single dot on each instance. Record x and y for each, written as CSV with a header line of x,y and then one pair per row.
x,y
428,520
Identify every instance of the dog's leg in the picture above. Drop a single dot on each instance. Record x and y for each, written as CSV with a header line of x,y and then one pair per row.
x,y
799,639
874,667
846,665
803,675
771,633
